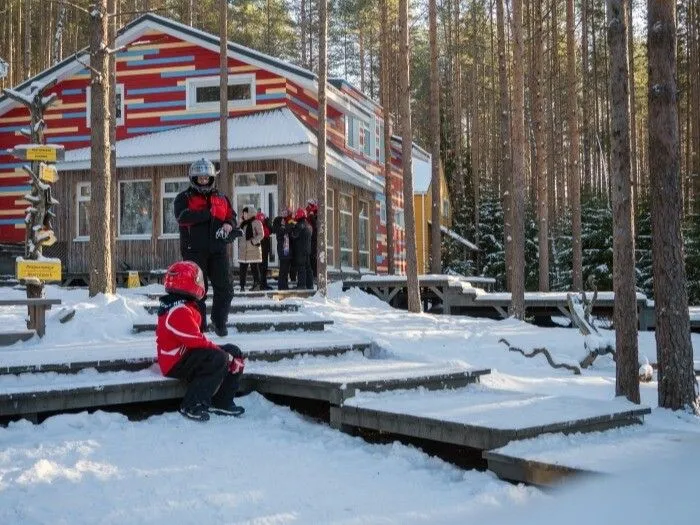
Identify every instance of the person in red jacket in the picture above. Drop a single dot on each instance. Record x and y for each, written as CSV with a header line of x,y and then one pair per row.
x,y
213,372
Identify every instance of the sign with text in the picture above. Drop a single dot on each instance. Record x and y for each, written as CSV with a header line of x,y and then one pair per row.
x,y
48,172
39,152
44,270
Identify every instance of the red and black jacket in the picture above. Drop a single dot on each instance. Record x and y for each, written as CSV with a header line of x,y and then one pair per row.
x,y
199,216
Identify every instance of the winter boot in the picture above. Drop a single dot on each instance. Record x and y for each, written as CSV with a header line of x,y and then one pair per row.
x,y
196,412
232,410
220,329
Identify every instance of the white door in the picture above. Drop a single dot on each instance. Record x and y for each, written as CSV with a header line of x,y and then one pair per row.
x,y
258,197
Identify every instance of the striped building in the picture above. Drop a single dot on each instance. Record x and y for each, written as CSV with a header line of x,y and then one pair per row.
x,y
167,104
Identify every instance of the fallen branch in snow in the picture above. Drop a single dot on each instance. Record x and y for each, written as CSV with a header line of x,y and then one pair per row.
x,y
535,351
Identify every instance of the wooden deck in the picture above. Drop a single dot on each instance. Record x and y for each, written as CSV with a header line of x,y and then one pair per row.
x,y
242,307
261,294
245,324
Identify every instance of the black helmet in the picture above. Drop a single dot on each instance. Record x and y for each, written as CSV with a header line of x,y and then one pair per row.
x,y
202,168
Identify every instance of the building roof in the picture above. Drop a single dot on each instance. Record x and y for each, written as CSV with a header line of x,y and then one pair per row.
x,y
272,134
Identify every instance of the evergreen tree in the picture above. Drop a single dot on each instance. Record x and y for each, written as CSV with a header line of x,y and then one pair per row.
x,y
644,270
692,257
597,242
561,256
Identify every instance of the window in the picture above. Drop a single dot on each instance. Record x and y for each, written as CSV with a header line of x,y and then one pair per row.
x,y
345,209
169,190
203,93
256,179
118,104
381,142
135,209
399,220
367,137
330,229
445,208
382,212
352,132
82,217
363,235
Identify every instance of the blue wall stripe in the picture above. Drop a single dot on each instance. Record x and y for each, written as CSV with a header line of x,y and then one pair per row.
x,y
72,92
138,52
79,114
167,118
8,189
146,105
13,128
191,73
146,91
5,222
4,151
151,129
271,96
60,140
169,60
11,165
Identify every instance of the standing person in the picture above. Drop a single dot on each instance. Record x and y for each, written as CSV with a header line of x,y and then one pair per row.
x,y
207,220
265,249
312,217
301,250
281,227
249,251
213,372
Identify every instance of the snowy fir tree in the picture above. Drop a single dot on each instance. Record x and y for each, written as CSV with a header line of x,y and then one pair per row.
x,y
642,248
597,243
561,256
691,236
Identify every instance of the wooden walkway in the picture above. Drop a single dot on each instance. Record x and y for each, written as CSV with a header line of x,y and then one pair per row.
x,y
278,295
260,323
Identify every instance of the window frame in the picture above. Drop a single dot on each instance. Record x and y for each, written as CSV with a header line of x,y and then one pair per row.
x,y
163,196
131,236
399,224
88,104
192,83
330,228
360,220
351,249
78,199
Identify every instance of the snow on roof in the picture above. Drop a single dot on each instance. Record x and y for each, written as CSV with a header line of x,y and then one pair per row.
x,y
266,129
422,175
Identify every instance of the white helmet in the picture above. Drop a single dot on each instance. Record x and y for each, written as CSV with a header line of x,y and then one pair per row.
x,y
202,168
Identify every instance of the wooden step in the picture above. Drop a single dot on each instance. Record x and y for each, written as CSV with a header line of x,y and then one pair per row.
x,y
269,294
11,337
242,307
483,418
260,323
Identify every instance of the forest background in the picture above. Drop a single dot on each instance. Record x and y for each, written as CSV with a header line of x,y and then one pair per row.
x,y
474,79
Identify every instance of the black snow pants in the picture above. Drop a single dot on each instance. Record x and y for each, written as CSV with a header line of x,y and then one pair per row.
x,y
215,267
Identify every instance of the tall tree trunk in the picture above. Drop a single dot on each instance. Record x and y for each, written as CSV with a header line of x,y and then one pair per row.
x,y
541,149
574,171
505,140
414,304
58,35
633,109
625,310
100,250
27,38
190,12
457,108
322,132
386,104
517,268
225,184
678,387
302,30
361,42
435,241
586,94
114,187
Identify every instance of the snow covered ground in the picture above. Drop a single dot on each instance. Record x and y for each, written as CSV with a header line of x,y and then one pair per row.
x,y
276,467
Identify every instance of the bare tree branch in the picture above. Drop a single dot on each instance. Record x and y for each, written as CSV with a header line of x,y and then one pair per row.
x,y
536,351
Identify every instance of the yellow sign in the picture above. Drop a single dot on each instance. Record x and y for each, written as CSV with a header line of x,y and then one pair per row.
x,y
44,270
48,172
40,152
133,280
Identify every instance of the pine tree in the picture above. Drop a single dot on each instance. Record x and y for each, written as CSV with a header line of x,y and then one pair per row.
x,y
597,243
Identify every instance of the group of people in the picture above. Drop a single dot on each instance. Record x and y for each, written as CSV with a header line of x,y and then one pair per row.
x,y
207,223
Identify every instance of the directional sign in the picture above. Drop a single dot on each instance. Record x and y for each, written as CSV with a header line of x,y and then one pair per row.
x,y
41,152
48,172
44,270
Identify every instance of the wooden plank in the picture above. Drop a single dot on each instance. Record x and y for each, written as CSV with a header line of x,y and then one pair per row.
x,y
256,326
237,308
10,338
269,294
29,302
531,472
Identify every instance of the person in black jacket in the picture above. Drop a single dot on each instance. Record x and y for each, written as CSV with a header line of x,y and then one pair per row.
x,y
207,223
301,250
312,217
282,227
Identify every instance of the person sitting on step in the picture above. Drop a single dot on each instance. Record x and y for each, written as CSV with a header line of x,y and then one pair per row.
x,y
212,371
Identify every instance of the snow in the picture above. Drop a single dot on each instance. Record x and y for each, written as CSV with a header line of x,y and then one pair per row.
x,y
275,466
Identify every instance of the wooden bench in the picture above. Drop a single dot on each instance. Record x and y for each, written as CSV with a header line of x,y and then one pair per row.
x,y
37,312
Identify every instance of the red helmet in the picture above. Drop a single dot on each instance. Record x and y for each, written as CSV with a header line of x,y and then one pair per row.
x,y
300,214
185,278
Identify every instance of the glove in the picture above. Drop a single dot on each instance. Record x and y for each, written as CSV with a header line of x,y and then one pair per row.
x,y
223,235
232,350
236,366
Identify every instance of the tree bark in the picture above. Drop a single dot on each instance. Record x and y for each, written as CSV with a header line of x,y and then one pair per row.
x,y
114,186
58,35
322,132
585,125
677,384
302,31
541,149
633,111
625,309
505,140
386,105
574,166
225,182
457,109
27,38
517,267
414,304
435,241
100,250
